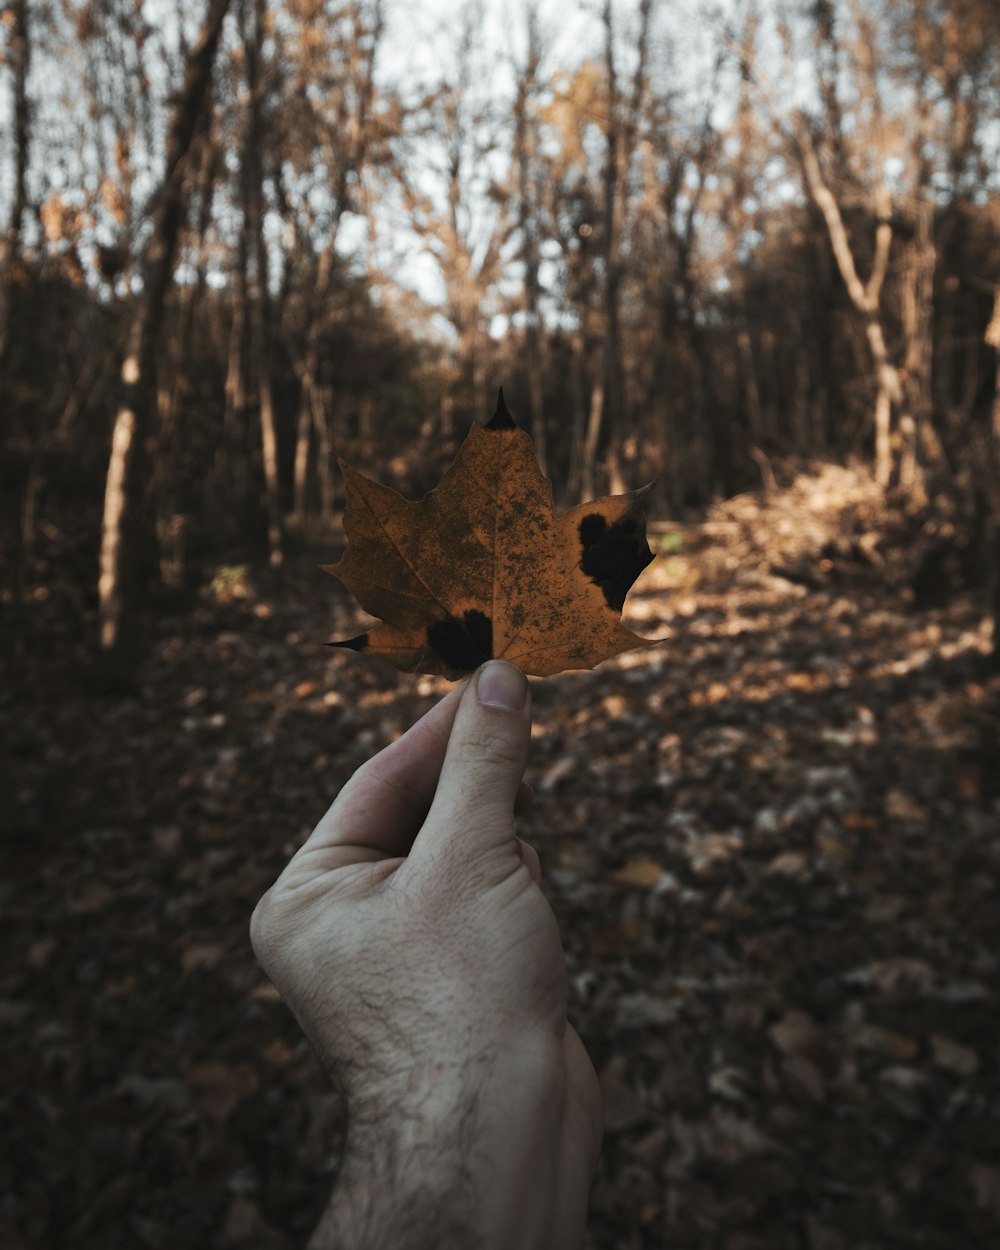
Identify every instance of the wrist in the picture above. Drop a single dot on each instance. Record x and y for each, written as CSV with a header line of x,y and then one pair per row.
x,y
452,1155
398,1194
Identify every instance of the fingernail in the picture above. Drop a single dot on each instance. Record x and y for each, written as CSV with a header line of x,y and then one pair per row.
x,y
502,685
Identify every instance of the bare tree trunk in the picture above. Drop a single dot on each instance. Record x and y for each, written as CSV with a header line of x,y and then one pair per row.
x,y
259,294
118,537
993,340
352,125
577,389
910,477
309,369
269,442
883,435
300,468
529,197
29,519
620,141
994,555
366,425
19,55
230,459
480,386
536,397
588,462
324,452
917,299
447,417
604,397
865,296
235,386
181,382
800,407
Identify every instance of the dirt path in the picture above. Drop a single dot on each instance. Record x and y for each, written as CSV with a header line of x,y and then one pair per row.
x,y
772,843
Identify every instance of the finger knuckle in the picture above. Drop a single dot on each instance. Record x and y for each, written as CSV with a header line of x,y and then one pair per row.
x,y
490,746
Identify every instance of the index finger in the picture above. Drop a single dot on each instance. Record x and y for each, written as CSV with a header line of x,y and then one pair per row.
x,y
379,811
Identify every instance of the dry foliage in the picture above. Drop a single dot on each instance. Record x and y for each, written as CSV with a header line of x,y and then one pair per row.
x,y
483,569
770,843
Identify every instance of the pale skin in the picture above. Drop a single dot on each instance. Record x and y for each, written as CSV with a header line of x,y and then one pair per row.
x,y
412,940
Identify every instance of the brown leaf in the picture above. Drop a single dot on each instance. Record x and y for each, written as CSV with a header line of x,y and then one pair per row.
x,y
953,1056
802,1074
266,992
643,872
796,1033
482,568
201,955
222,1087
622,1106
985,1179
246,1224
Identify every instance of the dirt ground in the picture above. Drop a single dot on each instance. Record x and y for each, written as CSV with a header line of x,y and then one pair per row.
x,y
772,844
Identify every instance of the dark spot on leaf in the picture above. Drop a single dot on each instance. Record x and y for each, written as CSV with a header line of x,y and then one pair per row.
x,y
592,527
463,644
352,644
613,556
501,419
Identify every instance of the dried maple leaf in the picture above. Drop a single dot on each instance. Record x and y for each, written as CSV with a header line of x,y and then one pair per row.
x,y
482,568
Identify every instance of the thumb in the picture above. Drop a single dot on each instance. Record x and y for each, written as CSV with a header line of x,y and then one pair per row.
x,y
473,807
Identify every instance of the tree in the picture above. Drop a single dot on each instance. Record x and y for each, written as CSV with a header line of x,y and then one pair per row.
x,y
992,339
253,16
865,294
18,55
120,530
624,114
460,211
874,160
692,435
529,175
334,60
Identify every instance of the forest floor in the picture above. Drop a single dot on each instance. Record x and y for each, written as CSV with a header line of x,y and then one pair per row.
x,y
772,844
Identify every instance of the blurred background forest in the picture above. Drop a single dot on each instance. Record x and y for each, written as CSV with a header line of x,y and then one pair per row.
x,y
693,242
748,248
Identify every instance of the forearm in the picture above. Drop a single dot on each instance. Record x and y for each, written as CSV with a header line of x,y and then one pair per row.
x,y
472,1170
389,1196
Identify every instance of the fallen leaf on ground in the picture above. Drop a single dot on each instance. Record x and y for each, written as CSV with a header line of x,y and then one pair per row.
x,y
644,872
953,1056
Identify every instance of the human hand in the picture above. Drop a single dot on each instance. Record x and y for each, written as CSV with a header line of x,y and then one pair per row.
x,y
411,939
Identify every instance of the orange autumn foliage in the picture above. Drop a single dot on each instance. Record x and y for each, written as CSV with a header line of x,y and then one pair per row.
x,y
482,568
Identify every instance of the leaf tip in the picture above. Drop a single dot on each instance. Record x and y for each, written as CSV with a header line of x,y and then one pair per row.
x,y
358,643
501,419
